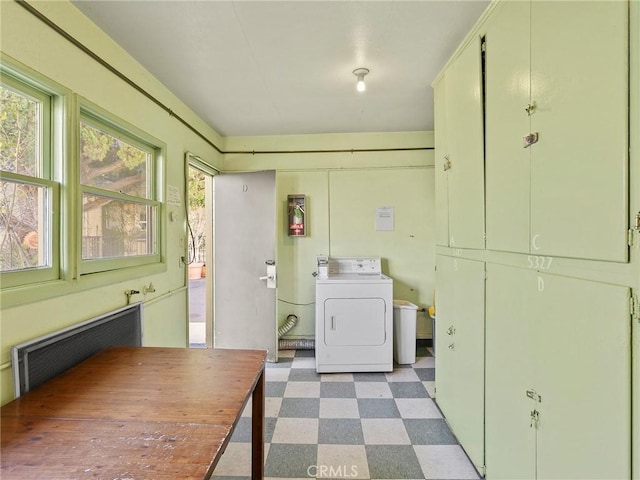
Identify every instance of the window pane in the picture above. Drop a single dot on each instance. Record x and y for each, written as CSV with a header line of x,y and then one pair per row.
x,y
112,164
115,228
19,132
24,241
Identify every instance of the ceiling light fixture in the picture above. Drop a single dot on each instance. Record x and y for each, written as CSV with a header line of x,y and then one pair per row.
x,y
360,73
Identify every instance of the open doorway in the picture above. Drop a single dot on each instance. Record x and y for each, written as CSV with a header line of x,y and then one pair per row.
x,y
200,237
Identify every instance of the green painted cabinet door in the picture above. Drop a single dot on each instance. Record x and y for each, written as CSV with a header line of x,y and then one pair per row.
x,y
507,95
510,354
583,334
579,168
441,177
445,365
550,342
460,357
465,145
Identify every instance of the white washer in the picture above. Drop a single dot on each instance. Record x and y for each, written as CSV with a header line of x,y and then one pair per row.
x,y
354,317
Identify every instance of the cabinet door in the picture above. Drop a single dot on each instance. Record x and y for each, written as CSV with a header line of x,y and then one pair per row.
x,y
562,338
583,359
510,353
445,301
441,177
579,56
467,420
507,95
460,357
466,149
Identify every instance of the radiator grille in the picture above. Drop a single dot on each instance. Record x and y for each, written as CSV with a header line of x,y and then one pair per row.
x,y
36,361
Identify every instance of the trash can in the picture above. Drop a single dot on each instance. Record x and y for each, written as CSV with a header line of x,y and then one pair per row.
x,y
404,332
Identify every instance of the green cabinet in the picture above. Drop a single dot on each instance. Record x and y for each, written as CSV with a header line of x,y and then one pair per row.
x,y
460,351
459,152
560,71
558,364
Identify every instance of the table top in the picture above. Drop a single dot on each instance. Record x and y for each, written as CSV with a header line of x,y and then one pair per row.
x,y
130,412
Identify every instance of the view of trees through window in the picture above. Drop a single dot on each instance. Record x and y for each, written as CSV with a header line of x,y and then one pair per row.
x,y
116,221
23,203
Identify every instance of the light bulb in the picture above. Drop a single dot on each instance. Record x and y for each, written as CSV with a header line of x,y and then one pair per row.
x,y
360,74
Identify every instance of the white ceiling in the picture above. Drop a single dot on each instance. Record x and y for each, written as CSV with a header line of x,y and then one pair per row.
x,y
278,68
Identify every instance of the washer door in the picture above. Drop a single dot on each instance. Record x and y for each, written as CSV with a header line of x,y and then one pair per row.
x,y
354,321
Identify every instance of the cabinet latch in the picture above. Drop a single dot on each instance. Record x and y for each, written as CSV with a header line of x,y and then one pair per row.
x,y
633,307
530,139
532,394
535,419
447,163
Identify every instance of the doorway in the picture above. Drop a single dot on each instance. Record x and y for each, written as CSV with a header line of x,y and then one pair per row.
x,y
200,265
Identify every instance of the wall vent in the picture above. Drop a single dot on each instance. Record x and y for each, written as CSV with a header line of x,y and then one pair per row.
x,y
36,361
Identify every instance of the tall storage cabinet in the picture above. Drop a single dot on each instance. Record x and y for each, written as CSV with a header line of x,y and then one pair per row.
x,y
460,347
550,74
550,329
547,349
459,153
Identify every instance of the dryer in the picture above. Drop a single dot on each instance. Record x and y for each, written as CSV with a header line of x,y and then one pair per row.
x,y
354,316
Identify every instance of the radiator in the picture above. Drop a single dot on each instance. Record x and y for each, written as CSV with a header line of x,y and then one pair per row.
x,y
36,361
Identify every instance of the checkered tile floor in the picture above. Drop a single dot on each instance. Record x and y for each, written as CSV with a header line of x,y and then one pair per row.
x,y
349,425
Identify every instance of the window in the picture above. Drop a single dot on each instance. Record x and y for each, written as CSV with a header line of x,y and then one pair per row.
x,y
118,186
29,203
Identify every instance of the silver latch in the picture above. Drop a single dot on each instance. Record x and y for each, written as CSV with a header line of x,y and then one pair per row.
x,y
533,395
451,330
530,108
535,419
637,224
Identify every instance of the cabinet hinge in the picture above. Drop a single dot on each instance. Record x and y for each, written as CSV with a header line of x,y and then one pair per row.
x,y
634,308
636,225
630,237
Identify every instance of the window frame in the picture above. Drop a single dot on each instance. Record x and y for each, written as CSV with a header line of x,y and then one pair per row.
x,y
49,101
97,117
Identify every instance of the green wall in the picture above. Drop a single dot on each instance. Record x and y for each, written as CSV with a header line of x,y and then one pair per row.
x,y
343,190
33,311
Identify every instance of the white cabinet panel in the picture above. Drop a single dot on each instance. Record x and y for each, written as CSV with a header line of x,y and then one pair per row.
x,y
579,166
460,357
561,338
507,95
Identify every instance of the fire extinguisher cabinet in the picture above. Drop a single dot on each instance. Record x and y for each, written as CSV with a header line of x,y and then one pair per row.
x,y
297,216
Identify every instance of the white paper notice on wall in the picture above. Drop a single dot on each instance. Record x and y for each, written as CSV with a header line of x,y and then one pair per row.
x,y
384,219
173,196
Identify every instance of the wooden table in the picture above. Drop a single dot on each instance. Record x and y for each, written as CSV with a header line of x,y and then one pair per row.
x,y
135,413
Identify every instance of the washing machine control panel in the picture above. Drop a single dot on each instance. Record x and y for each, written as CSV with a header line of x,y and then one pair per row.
x,y
354,265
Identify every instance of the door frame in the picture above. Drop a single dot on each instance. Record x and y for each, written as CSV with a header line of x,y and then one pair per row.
x,y
196,162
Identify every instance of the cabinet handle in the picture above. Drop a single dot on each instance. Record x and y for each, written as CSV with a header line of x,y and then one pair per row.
x,y
333,322
451,330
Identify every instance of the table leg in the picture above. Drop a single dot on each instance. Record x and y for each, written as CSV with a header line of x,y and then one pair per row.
x,y
257,430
